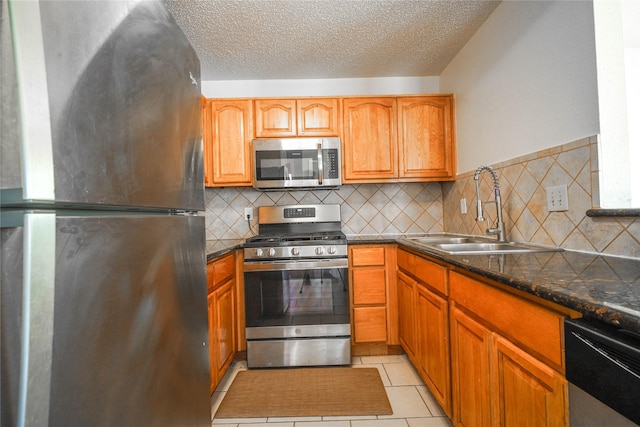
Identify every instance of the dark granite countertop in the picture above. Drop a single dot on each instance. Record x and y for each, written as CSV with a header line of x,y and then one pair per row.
x,y
217,248
602,287
605,288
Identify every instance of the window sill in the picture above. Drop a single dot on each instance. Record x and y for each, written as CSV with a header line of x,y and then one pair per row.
x,y
616,213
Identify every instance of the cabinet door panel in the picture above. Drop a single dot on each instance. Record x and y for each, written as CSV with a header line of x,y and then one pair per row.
x,y
470,346
318,117
225,336
227,134
528,392
406,314
207,140
370,139
433,331
213,372
369,286
275,117
426,137
370,324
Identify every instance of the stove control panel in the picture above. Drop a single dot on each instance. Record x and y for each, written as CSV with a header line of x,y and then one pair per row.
x,y
293,252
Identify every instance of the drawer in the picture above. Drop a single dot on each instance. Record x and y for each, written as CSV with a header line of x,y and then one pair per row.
x,y
220,270
369,286
424,270
370,324
363,256
432,274
406,261
522,321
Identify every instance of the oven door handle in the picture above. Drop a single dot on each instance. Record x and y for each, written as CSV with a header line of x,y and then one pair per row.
x,y
295,264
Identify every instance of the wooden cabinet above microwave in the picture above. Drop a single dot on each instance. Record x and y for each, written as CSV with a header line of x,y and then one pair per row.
x,y
277,118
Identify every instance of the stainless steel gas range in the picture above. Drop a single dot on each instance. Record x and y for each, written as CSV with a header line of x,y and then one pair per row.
x,y
297,289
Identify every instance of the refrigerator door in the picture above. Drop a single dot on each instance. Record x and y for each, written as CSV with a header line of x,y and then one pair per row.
x,y
102,108
103,320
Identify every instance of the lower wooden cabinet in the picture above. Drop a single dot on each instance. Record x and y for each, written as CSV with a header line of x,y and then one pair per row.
x,y
221,278
407,320
504,373
527,391
424,322
470,348
432,314
372,294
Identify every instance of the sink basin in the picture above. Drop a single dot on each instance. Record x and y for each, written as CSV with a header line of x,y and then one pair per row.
x,y
441,240
476,246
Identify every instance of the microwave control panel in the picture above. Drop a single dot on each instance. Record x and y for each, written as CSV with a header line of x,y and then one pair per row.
x,y
331,163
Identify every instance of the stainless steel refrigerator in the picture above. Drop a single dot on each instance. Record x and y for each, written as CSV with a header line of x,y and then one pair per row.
x,y
103,304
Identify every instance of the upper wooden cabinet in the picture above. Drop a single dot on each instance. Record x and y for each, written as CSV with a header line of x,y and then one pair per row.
x,y
369,140
297,117
425,138
206,142
398,139
227,132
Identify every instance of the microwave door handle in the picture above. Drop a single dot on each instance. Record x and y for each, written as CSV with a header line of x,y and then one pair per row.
x,y
320,165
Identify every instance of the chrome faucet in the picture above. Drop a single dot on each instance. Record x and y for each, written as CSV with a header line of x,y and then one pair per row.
x,y
499,228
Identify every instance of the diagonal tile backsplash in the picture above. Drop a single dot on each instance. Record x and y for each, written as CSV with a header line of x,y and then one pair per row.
x,y
523,183
366,209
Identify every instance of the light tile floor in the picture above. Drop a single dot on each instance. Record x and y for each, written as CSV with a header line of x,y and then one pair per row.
x,y
412,403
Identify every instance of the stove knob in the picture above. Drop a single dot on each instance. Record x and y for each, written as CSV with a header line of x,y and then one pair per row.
x,y
295,251
259,252
332,250
272,252
319,250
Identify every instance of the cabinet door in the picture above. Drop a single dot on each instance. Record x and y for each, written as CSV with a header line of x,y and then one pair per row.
x,y
224,326
213,371
433,344
527,392
406,314
426,140
230,129
207,142
470,346
275,118
369,139
318,117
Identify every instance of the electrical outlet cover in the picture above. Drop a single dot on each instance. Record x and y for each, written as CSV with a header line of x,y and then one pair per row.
x,y
557,198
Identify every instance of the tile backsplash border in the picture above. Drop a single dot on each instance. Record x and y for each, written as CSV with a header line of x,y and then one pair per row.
x,y
523,183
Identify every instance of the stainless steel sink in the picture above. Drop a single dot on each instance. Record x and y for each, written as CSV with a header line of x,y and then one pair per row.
x,y
491,248
440,240
460,245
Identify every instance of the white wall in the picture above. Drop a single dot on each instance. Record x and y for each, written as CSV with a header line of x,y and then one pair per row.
x,y
525,81
320,87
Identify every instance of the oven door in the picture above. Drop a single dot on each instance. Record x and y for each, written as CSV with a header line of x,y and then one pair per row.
x,y
297,313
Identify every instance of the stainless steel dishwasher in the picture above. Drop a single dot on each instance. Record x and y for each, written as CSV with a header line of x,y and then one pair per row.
x,y
603,370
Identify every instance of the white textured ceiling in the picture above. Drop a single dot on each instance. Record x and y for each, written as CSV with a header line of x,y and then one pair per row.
x,y
322,39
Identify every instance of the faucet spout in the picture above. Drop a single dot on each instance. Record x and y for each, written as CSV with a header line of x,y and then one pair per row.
x,y
499,228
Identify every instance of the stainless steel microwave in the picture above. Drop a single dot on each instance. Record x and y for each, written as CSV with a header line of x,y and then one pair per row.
x,y
296,163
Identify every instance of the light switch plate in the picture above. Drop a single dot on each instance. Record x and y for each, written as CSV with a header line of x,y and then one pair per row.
x,y
557,198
